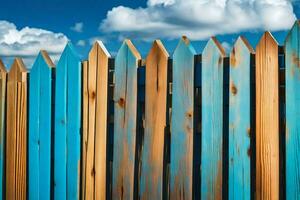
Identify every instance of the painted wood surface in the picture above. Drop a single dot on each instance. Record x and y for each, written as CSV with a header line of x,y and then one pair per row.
x,y
240,109
292,75
212,120
40,115
182,130
67,125
125,100
3,79
95,118
151,184
267,119
16,129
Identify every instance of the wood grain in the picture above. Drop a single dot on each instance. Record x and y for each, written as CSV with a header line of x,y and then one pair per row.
x,y
151,184
16,137
267,119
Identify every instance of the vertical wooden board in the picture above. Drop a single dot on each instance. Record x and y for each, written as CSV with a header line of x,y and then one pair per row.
x,y
73,122
3,74
151,184
16,151
240,120
85,114
101,121
292,75
212,120
125,98
267,119
182,130
60,133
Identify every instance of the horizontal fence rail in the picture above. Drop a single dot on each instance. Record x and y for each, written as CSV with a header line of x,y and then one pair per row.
x,y
215,125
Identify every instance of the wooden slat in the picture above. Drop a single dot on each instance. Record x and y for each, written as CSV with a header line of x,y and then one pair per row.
x,y
151,184
213,95
292,58
3,75
16,137
182,130
97,84
39,140
125,100
67,125
267,119
240,109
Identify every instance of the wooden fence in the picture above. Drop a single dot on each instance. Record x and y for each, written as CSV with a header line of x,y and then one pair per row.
x,y
209,126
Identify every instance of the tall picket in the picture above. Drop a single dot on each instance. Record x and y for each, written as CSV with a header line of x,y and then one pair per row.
x,y
267,118
213,96
67,125
151,184
40,127
16,131
182,130
240,119
125,100
292,59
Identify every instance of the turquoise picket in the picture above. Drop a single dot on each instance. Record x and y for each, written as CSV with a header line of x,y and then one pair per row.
x,y
240,109
67,125
212,120
182,130
292,58
39,139
125,98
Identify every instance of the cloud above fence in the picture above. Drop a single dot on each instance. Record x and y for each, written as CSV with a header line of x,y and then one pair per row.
x,y
27,42
198,19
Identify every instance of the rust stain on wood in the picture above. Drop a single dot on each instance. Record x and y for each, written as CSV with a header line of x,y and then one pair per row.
x,y
233,88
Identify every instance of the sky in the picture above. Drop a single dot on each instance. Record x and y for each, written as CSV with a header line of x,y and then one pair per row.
x,y
26,26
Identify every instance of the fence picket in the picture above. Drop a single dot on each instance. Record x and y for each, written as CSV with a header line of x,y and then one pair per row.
x,y
267,118
40,115
182,130
125,98
3,75
213,102
240,119
292,58
67,125
16,129
151,184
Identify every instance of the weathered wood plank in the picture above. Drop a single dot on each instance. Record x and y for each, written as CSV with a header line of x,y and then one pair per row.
x,y
212,120
125,100
267,119
240,122
3,79
292,59
39,141
151,184
67,125
16,137
182,130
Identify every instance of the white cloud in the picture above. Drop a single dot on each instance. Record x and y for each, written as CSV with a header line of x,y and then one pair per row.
x,y
78,27
81,43
198,19
27,42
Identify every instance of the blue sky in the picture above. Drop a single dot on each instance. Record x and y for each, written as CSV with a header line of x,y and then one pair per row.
x,y
29,25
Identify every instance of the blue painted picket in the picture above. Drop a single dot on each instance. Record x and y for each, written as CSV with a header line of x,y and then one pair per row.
x,y
292,77
39,139
67,125
212,120
3,75
182,130
125,99
240,108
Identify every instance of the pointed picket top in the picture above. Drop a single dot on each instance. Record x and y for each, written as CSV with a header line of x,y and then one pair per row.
x,y
157,48
44,58
241,45
70,51
18,71
185,43
294,30
127,44
99,45
213,42
266,38
244,42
